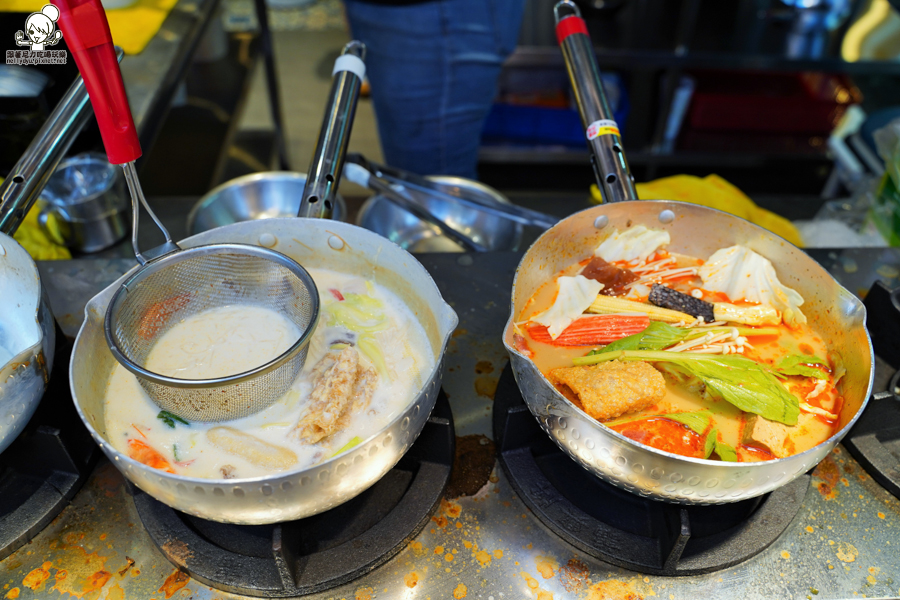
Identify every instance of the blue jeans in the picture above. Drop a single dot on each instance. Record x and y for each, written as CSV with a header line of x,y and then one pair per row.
x,y
433,71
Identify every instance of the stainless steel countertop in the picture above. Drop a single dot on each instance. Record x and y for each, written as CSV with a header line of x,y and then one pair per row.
x,y
842,544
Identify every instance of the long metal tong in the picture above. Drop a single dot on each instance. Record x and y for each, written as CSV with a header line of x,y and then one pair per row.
x,y
417,183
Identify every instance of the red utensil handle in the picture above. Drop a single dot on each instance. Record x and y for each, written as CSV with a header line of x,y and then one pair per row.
x,y
86,31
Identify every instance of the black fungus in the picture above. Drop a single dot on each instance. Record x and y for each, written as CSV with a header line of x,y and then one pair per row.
x,y
666,297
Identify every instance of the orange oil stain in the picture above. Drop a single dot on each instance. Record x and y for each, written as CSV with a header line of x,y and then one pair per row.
x,y
467,544
441,520
115,593
411,579
451,509
80,573
174,582
546,566
809,529
620,590
881,515
847,552
573,575
36,578
459,525
531,581
544,595
460,591
364,593
438,549
12,594
486,386
416,546
483,557
828,472
498,553
448,557
785,554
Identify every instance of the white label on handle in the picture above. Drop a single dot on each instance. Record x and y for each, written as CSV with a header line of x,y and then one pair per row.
x,y
348,62
602,127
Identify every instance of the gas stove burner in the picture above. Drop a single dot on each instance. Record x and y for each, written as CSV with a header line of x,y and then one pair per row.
x,y
44,467
320,552
622,528
875,439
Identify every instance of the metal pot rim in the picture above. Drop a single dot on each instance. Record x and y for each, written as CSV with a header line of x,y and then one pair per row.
x,y
698,461
206,481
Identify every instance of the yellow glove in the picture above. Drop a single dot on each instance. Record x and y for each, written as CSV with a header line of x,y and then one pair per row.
x,y
714,192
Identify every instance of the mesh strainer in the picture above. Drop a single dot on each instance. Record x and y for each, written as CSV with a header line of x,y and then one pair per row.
x,y
188,282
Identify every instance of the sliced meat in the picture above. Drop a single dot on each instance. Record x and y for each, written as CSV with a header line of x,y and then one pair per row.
x,y
613,278
341,387
614,388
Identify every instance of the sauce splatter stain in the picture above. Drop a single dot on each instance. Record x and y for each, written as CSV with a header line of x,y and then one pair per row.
x,y
416,546
411,579
35,580
460,591
448,557
809,529
544,595
174,582
881,515
438,549
364,593
828,472
546,566
573,575
13,593
847,552
486,386
483,557
451,509
467,544
484,367
785,554
441,520
620,590
531,581
498,553
115,593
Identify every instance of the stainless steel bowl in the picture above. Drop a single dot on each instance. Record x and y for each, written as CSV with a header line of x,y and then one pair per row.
x,y
257,196
384,217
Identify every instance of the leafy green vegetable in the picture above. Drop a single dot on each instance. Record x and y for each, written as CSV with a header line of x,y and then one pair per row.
x,y
798,364
710,444
175,452
656,336
698,421
170,419
739,380
354,441
726,452
359,313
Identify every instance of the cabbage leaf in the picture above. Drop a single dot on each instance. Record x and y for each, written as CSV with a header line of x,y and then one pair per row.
x,y
575,296
635,243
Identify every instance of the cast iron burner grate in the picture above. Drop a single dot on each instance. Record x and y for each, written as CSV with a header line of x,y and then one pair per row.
x,y
320,552
875,439
44,467
639,534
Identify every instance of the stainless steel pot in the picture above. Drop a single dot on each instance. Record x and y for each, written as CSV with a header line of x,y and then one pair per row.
x,y
27,340
836,314
299,493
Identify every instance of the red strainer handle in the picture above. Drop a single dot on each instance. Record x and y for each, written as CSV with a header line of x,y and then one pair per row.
x,y
86,31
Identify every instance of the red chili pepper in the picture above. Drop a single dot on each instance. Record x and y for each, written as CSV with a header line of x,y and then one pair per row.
x,y
337,295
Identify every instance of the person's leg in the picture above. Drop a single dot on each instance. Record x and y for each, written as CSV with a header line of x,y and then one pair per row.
x,y
433,69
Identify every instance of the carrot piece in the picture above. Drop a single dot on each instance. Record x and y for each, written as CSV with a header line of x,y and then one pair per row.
x,y
158,314
592,330
337,294
145,454
138,430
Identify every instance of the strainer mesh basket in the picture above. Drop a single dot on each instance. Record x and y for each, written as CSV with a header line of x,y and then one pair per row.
x,y
169,290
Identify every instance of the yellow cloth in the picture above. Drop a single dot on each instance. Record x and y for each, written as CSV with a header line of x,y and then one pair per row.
x,y
132,28
35,240
714,192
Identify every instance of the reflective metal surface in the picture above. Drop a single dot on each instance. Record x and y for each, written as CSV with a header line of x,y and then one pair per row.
x,y
841,545
27,339
303,492
489,231
838,316
251,197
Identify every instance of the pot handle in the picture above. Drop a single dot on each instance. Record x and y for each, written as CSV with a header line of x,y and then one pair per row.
x,y
614,178
327,164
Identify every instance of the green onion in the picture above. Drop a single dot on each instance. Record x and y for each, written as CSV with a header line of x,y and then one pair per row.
x,y
170,419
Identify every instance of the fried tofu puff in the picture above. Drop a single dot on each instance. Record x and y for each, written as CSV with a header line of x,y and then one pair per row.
x,y
613,388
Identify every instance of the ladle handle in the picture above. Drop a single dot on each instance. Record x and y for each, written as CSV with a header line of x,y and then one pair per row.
x,y
604,140
86,31
327,164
